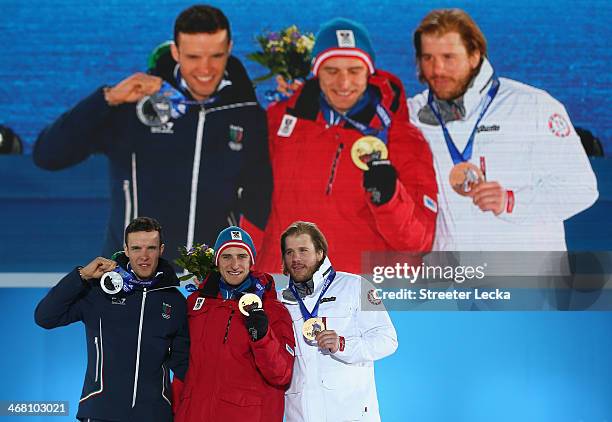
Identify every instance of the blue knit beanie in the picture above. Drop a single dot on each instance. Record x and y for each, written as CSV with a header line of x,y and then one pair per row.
x,y
234,237
342,38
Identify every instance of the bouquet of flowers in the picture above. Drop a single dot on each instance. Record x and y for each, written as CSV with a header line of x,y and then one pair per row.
x,y
286,53
198,261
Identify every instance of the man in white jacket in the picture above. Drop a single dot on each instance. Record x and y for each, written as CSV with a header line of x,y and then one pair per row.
x,y
509,164
336,341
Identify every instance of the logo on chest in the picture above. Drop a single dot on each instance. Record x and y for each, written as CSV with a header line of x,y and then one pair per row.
x,y
236,135
165,129
166,310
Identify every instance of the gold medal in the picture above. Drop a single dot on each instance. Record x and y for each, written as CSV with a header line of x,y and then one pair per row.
x,y
368,149
464,177
248,302
312,327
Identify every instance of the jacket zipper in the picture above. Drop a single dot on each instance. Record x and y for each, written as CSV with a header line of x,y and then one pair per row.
x,y
195,174
334,167
229,321
128,203
142,307
97,358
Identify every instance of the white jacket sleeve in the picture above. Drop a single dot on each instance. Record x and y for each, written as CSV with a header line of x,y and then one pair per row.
x,y
376,337
562,183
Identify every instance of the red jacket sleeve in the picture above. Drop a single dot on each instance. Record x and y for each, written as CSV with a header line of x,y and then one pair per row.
x,y
408,221
274,354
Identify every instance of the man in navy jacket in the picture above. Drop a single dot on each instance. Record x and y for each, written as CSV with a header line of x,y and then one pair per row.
x,y
135,334
212,149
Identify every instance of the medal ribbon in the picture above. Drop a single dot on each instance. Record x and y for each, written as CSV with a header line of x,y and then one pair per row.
x,y
335,117
130,281
307,315
457,156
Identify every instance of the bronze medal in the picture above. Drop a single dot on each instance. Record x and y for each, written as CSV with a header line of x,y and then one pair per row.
x,y
464,177
312,327
368,149
248,302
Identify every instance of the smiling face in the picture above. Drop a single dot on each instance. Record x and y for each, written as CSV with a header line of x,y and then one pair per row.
x,y
143,250
446,65
202,58
234,265
343,81
301,259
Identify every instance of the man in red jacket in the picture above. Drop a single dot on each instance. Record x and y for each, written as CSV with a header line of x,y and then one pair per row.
x,y
241,355
345,157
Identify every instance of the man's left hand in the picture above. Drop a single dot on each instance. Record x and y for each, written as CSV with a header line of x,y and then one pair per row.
x,y
256,323
328,339
379,180
489,196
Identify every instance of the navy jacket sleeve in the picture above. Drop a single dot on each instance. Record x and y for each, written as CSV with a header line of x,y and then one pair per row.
x,y
179,350
63,304
76,134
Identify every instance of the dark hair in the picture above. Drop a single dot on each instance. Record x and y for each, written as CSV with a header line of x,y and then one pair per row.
x,y
442,21
201,18
304,227
144,224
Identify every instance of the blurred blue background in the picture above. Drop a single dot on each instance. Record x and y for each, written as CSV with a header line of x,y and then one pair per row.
x,y
451,366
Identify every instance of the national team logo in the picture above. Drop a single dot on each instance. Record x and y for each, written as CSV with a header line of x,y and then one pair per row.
x,y
236,235
166,310
287,125
236,134
346,38
558,125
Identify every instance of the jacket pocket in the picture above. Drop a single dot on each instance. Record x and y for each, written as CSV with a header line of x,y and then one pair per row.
x,y
94,381
237,404
349,386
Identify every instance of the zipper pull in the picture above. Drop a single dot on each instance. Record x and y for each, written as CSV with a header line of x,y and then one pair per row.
x,y
332,173
227,327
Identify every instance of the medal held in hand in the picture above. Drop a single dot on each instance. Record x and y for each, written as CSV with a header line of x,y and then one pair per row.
x,y
312,327
367,149
248,302
154,110
464,177
111,282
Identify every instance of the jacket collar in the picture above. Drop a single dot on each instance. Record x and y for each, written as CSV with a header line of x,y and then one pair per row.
x,y
305,104
167,279
477,91
210,287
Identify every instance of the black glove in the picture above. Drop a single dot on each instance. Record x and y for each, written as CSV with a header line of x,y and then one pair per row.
x,y
379,180
256,323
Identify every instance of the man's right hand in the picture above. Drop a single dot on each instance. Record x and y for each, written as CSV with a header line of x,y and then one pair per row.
x,y
96,268
132,89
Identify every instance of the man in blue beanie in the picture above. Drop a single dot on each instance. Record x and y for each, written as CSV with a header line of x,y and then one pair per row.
x,y
345,156
242,350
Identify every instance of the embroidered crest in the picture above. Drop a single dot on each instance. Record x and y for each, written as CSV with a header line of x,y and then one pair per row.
x,y
287,125
346,38
558,125
166,310
236,134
